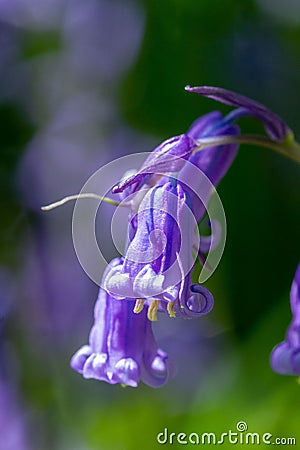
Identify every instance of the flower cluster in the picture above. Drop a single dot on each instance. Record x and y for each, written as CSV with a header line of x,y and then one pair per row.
x,y
167,201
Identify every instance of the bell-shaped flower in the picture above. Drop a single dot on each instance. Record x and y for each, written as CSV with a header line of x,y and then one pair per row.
x,y
285,357
122,347
160,257
158,264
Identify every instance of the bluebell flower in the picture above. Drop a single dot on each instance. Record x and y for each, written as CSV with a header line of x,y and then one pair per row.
x,y
154,271
158,263
166,202
285,358
159,260
122,348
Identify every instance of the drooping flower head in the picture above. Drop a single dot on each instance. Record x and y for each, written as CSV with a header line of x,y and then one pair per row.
x,y
122,348
167,201
160,257
285,358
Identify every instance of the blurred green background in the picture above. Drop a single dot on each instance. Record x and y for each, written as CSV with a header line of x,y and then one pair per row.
x,y
82,83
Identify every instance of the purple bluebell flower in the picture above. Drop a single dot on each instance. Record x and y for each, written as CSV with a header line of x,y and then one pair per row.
x,y
159,260
166,203
122,348
285,358
157,267
153,270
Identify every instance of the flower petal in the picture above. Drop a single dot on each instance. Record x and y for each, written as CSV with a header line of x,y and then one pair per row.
x,y
201,301
295,297
281,359
79,358
285,357
96,367
274,125
168,157
147,283
127,372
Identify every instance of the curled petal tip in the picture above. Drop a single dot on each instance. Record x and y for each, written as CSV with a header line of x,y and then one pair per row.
x,y
78,360
206,300
200,302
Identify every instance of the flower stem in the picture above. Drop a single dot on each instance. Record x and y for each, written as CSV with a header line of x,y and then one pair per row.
x,y
288,147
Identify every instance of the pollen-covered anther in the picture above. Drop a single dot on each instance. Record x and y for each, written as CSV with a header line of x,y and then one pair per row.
x,y
170,309
139,305
152,310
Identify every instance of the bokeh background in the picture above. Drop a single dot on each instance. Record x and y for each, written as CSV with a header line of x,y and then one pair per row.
x,y
84,82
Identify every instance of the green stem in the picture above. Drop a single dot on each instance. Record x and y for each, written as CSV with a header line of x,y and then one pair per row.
x,y
288,148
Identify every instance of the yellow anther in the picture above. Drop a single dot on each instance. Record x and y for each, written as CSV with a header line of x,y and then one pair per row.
x,y
152,310
139,305
170,308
